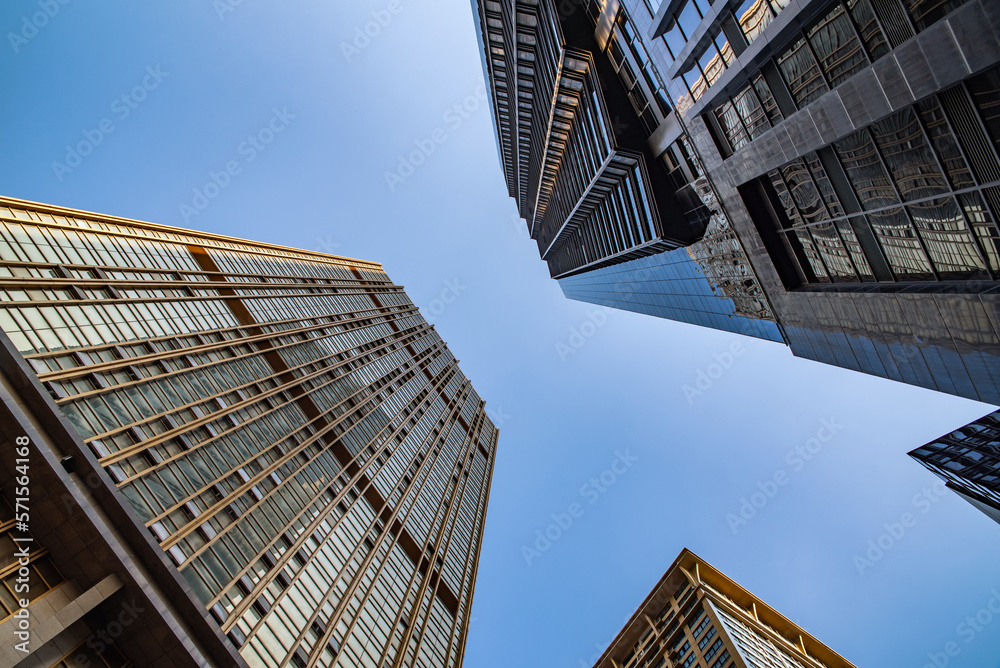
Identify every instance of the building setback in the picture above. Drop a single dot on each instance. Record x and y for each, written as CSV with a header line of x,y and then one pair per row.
x,y
239,453
697,617
833,166
968,460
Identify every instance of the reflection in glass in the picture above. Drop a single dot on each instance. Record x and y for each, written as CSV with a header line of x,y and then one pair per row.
x,y
837,47
868,28
909,158
801,73
947,238
864,169
900,244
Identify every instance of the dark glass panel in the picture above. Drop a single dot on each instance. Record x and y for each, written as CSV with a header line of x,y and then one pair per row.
x,y
983,225
864,169
729,120
945,145
823,183
837,47
801,73
834,255
868,28
908,156
925,12
804,192
749,109
985,89
900,244
767,99
854,248
947,238
798,235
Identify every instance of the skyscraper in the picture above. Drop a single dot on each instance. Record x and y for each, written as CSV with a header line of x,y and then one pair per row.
x,y
968,460
264,456
696,616
847,153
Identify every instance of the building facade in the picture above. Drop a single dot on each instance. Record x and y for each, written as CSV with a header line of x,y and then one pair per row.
x,y
851,148
968,460
696,617
265,454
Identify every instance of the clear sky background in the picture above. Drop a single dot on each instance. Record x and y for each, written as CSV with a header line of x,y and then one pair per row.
x,y
446,230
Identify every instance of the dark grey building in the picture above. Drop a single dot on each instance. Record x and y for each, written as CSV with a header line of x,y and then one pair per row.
x,y
834,166
968,460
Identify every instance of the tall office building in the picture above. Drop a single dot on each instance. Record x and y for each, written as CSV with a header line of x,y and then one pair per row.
x,y
968,460
846,150
697,617
239,454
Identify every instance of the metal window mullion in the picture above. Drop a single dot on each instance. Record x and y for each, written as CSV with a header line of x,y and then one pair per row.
x,y
947,179
902,203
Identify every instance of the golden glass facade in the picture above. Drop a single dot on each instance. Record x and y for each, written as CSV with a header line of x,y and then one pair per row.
x,y
696,617
295,437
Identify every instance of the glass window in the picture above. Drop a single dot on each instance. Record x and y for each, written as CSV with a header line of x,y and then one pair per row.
x,y
945,145
732,126
910,160
695,82
985,89
712,64
947,238
801,73
983,226
837,47
868,28
864,169
766,99
925,12
748,108
900,245
722,44
753,16
688,19
674,40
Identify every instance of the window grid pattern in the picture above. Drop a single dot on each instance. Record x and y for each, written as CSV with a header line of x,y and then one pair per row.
x,y
969,458
291,432
908,199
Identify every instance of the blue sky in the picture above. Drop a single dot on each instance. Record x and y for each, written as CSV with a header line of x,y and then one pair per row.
x,y
337,123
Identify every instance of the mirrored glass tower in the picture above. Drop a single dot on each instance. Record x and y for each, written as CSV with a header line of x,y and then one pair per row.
x,y
266,452
832,170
